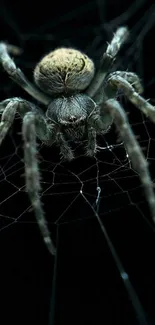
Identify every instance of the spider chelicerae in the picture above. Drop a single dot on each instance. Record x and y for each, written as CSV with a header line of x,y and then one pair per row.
x,y
81,103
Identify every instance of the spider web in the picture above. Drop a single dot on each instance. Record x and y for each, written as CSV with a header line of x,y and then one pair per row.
x,y
107,178
73,192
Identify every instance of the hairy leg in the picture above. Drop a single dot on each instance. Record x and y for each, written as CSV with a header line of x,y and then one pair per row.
x,y
65,149
98,122
17,75
131,77
116,81
33,176
107,60
9,107
33,124
91,147
136,155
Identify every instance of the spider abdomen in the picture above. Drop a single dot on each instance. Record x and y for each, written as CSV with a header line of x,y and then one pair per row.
x,y
64,70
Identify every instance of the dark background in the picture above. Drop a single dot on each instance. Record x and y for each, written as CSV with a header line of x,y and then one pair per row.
x,y
82,285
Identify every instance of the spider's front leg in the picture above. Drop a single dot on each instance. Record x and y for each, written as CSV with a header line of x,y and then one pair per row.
x,y
34,123
17,75
9,107
122,81
130,77
112,107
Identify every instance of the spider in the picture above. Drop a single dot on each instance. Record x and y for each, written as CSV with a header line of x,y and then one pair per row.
x,y
80,104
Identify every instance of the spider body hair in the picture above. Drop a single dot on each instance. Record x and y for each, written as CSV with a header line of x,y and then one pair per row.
x,y
64,71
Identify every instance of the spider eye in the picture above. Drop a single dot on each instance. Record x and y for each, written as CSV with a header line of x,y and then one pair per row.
x,y
64,71
72,118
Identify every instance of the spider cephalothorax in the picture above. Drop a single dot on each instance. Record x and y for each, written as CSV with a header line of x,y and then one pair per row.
x,y
71,114
80,104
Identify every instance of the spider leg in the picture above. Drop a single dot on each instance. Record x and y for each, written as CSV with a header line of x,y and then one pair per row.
x,y
139,163
33,124
8,108
118,82
33,176
91,147
107,60
65,149
3,104
17,75
131,77
98,123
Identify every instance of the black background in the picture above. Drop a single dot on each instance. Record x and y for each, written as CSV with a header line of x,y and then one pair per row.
x,y
83,285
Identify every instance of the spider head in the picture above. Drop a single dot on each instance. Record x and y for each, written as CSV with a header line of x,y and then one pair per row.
x,y
70,111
